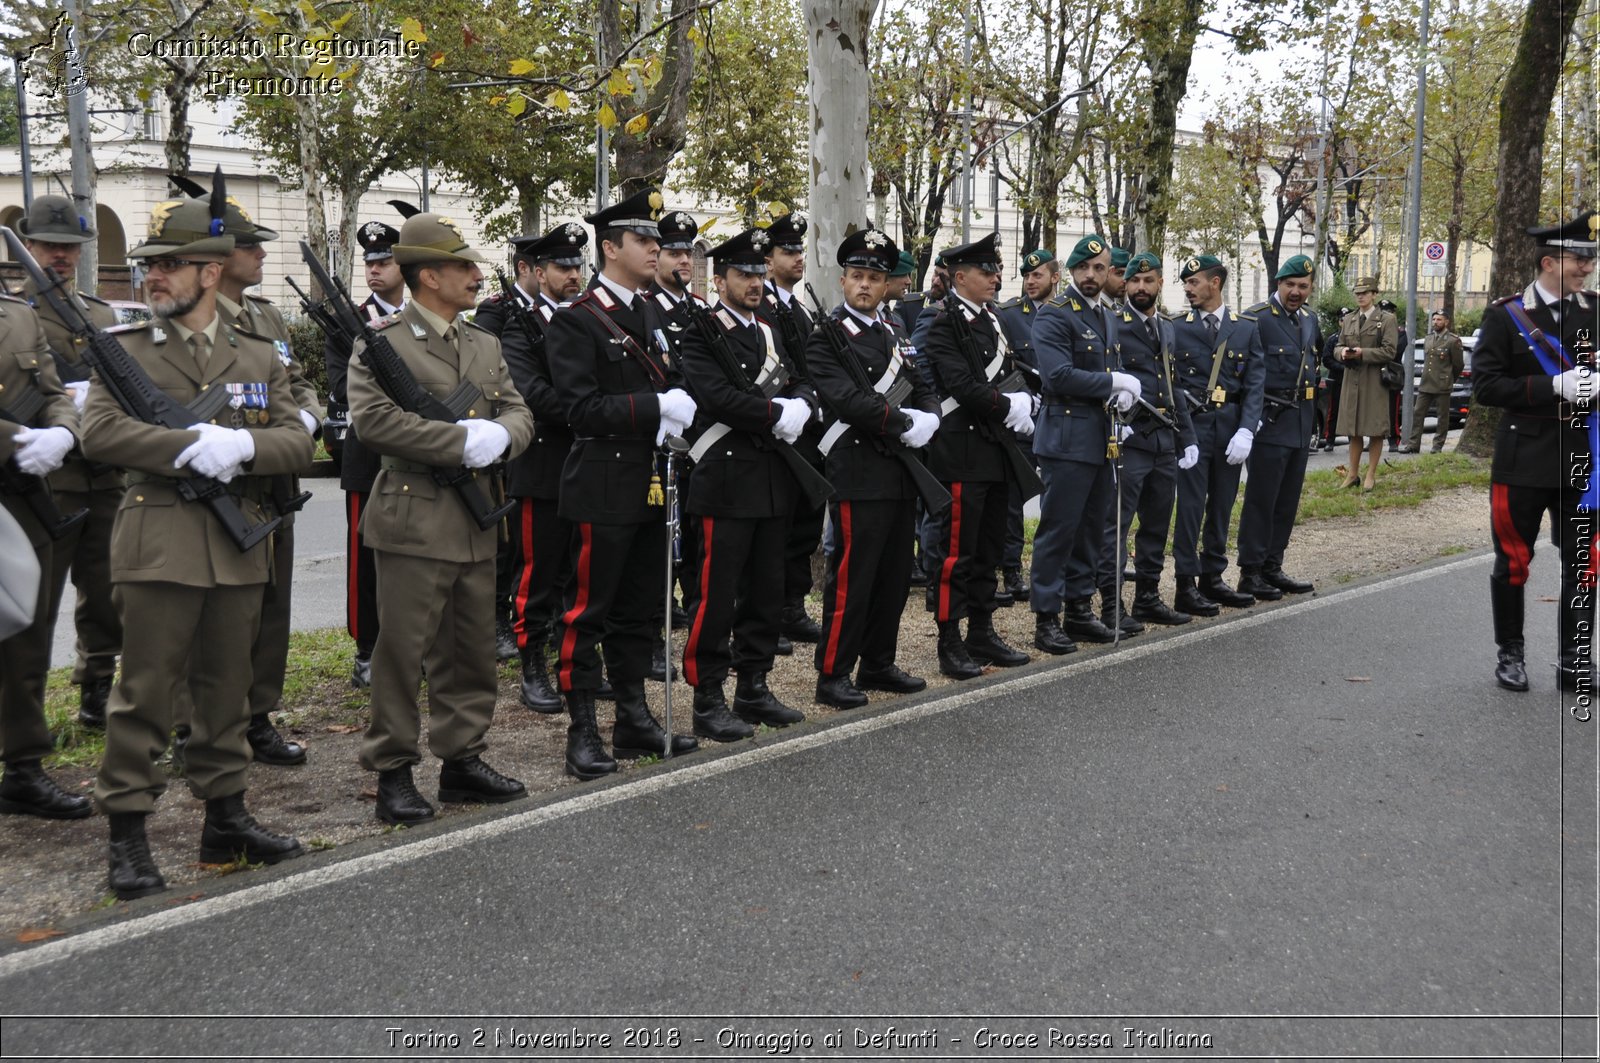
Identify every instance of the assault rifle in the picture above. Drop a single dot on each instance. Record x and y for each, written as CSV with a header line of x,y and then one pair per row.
x,y
33,490
1022,466
128,383
397,381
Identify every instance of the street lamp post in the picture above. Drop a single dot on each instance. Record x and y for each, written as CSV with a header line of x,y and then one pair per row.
x,y
1414,230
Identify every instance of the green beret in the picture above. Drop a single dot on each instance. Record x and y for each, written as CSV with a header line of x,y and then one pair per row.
x,y
1143,262
907,266
1085,249
1119,258
1198,264
1298,266
1033,260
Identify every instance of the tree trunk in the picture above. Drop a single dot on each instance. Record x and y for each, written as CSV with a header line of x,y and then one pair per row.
x,y
641,161
180,134
839,89
1452,233
311,174
1169,53
1525,99
528,193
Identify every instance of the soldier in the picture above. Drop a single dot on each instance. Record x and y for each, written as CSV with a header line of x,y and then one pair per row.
x,y
1369,338
856,360
256,316
899,282
190,599
549,274
786,263
1535,358
1331,379
741,495
1442,362
1290,344
358,466
1111,295
1161,443
1221,368
55,234
914,303
34,444
969,359
1075,340
1041,274
623,397
435,564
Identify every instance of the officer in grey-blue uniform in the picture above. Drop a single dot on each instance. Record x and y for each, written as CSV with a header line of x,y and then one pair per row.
x,y
1075,340
1291,343
1220,367
1041,273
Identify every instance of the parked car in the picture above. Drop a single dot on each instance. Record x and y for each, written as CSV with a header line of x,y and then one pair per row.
x,y
129,313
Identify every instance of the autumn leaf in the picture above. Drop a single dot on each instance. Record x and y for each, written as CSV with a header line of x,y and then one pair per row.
x,y
308,10
495,101
520,67
338,23
619,83
265,17
697,38
348,72
776,209
558,100
411,30
637,124
518,104
435,60
468,38
342,728
607,117
651,74
28,937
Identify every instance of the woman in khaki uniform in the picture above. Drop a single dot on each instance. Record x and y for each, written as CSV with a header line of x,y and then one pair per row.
x,y
1369,339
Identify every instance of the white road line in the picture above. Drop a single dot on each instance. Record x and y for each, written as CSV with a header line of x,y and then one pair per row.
x,y
211,907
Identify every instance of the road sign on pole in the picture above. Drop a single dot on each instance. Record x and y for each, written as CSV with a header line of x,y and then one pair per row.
x,y
1434,252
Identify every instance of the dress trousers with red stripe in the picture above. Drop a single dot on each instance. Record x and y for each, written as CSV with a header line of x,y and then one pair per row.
x,y
619,537
358,467
805,531
540,557
1542,460
740,497
873,507
674,315
967,458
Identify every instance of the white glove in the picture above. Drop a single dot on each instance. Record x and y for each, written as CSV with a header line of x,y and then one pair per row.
x,y
40,451
1020,417
1127,384
1191,457
1123,432
792,421
1576,385
486,441
79,390
309,419
677,406
923,425
219,453
1239,446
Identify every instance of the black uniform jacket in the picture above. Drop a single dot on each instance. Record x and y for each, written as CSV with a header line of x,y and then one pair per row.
x,y
536,472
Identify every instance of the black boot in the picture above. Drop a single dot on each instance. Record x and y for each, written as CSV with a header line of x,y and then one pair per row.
x,y
636,733
1251,582
471,781
890,678
1275,575
711,716
1003,598
586,754
1112,615
985,646
133,869
361,673
505,639
754,702
1510,672
1078,620
784,648
603,692
1015,584
269,746
92,703
231,832
1192,602
658,663
538,692
839,692
796,624
1214,588
1048,636
1147,605
953,659
27,791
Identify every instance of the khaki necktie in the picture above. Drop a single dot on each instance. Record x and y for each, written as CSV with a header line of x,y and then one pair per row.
x,y
200,344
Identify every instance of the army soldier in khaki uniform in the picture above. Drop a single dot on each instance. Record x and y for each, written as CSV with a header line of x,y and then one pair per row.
x,y
435,565
32,446
1442,362
190,598
55,235
1369,338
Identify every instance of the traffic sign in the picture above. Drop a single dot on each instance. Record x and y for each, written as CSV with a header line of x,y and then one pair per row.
x,y
1434,251
1433,269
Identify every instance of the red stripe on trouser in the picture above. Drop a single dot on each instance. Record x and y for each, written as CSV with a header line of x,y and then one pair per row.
x,y
691,665
352,576
525,582
953,551
579,602
841,590
1505,532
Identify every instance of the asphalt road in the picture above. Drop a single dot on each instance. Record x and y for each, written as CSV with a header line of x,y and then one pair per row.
x,y
1316,828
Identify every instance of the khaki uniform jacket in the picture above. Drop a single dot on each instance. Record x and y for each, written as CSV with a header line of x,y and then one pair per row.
x,y
408,513
260,317
1363,400
25,364
1442,362
75,473
158,536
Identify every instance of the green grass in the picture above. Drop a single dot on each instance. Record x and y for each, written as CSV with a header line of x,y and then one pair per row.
x,y
1403,485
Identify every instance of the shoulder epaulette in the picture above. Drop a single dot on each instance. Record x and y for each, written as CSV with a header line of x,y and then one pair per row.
x,y
1009,303
601,296
1265,305
1058,301
132,326
259,299
1505,299
384,322
8,297
1180,315
94,298
726,319
479,327
1244,315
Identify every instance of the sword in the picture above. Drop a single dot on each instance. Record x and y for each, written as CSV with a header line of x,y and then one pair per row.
x,y
675,445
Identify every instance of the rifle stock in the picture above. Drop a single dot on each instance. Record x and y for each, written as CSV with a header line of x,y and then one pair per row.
x,y
1022,466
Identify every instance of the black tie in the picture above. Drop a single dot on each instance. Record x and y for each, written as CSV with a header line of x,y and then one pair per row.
x,y
1154,334
1211,325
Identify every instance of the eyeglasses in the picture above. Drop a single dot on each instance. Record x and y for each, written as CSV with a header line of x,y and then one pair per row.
x,y
171,265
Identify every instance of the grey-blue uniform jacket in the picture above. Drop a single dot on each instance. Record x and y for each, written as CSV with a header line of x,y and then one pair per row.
x,y
1240,378
1156,385
1290,345
1075,340
1017,317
